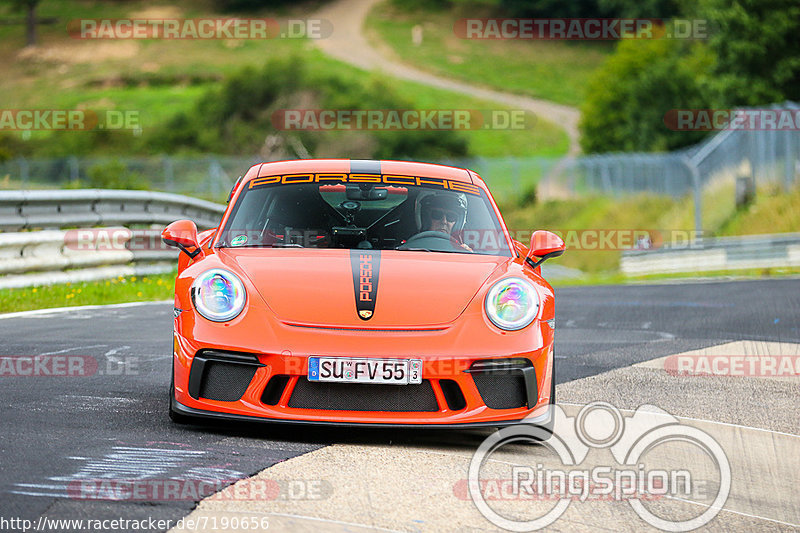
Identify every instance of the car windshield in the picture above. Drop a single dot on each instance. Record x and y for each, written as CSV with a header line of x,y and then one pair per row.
x,y
390,213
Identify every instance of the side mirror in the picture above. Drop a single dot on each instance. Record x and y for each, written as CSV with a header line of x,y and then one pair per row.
x,y
183,235
544,245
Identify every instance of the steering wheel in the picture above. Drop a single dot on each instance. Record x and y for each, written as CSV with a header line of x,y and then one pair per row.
x,y
432,240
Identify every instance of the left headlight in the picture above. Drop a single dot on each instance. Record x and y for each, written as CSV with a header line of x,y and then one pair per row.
x,y
218,295
512,303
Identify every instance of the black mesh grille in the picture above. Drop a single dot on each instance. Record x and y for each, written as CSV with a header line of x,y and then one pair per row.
x,y
363,397
274,389
226,382
501,390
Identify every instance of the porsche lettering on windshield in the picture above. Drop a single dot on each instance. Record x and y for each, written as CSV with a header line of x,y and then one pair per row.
x,y
385,179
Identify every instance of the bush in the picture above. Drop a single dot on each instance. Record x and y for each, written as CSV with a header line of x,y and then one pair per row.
x,y
629,95
111,175
589,8
236,118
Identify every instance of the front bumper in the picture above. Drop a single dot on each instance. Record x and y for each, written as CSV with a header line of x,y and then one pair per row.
x,y
541,420
457,391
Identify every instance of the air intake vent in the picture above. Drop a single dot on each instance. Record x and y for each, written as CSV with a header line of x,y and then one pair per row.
x,y
505,383
363,397
274,390
452,394
501,391
221,376
226,382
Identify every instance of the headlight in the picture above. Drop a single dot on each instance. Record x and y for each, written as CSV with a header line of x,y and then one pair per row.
x,y
512,303
218,295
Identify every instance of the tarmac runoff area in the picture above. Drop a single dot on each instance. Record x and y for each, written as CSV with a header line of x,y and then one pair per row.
x,y
420,484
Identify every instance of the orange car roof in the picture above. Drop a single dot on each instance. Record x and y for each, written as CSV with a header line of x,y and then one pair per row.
x,y
362,166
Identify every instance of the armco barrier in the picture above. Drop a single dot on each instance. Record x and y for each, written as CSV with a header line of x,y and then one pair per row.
x,y
48,254
723,253
54,209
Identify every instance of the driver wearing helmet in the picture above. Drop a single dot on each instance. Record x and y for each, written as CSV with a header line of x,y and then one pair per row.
x,y
445,212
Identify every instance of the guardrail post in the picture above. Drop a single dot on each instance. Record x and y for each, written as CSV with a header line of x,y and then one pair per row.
x,y
169,174
698,196
73,169
515,181
788,162
24,171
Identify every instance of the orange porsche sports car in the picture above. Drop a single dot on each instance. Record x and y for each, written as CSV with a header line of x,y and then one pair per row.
x,y
349,292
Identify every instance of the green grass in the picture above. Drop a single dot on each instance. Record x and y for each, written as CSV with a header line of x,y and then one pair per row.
x,y
640,212
543,139
773,211
113,291
552,70
66,73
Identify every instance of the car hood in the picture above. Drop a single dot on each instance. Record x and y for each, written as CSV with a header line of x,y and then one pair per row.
x,y
321,287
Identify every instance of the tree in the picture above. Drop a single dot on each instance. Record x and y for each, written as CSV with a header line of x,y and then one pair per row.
x,y
662,9
757,49
30,18
629,96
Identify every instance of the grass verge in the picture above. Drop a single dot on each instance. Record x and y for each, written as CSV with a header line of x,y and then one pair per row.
x,y
773,211
553,70
112,291
157,78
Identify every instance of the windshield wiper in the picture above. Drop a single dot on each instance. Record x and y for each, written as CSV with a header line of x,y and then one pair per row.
x,y
429,250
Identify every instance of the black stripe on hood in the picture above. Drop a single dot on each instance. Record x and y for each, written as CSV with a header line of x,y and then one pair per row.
x,y
366,265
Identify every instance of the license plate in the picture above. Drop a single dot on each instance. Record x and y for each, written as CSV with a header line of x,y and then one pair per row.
x,y
365,370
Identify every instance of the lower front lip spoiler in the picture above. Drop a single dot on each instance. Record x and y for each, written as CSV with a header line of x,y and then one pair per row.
x,y
178,407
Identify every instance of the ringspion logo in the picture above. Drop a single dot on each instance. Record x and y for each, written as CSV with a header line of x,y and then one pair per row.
x,y
642,466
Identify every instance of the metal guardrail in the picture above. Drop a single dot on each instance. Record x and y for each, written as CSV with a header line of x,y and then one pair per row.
x,y
55,255
54,209
723,253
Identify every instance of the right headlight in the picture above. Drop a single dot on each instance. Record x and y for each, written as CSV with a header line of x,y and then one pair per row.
x,y
512,303
218,295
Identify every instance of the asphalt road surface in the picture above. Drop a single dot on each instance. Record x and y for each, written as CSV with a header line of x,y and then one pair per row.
x,y
58,431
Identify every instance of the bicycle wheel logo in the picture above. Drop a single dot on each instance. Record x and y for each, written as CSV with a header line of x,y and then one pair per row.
x,y
633,441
